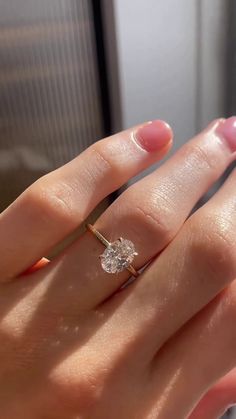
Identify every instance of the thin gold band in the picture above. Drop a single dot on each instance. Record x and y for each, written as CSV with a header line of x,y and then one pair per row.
x,y
106,243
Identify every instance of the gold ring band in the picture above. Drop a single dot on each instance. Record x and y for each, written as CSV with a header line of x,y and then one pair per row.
x,y
123,243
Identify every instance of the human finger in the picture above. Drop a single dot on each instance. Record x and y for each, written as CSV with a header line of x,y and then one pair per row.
x,y
197,357
59,202
218,399
196,266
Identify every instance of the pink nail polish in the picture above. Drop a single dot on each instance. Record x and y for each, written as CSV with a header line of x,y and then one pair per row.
x,y
227,130
154,135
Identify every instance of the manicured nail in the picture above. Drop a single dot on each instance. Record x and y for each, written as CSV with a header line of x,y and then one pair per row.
x,y
154,135
227,130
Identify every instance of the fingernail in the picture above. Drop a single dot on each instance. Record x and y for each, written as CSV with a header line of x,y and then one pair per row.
x,y
227,130
154,135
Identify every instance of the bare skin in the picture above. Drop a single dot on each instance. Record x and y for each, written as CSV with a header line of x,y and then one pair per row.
x,y
76,346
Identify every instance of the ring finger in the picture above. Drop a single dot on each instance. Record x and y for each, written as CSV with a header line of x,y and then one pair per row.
x,y
198,264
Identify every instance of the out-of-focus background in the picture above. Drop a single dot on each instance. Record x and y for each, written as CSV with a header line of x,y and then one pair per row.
x,y
74,71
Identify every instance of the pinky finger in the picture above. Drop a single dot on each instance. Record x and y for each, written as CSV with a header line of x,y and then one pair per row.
x,y
218,399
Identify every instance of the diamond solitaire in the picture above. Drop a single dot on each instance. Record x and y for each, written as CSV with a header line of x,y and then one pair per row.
x,y
118,255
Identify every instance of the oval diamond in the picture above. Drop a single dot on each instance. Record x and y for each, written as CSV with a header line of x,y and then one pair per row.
x,y
118,256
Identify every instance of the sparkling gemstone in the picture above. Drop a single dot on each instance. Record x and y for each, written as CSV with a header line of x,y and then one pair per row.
x,y
118,256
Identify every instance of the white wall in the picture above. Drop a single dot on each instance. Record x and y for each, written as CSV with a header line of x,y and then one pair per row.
x,y
170,61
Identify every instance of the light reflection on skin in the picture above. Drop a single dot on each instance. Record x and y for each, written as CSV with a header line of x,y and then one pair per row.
x,y
17,319
19,316
163,400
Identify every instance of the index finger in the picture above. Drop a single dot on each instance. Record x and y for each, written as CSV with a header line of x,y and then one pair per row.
x,y
59,202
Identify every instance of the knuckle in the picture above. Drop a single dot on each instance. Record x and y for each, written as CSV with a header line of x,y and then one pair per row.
x,y
89,388
213,246
84,393
50,200
106,158
152,218
202,156
80,390
156,221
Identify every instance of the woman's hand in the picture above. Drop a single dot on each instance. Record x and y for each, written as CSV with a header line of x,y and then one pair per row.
x,y
72,346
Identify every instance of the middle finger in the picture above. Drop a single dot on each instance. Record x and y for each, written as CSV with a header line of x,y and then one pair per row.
x,y
197,265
